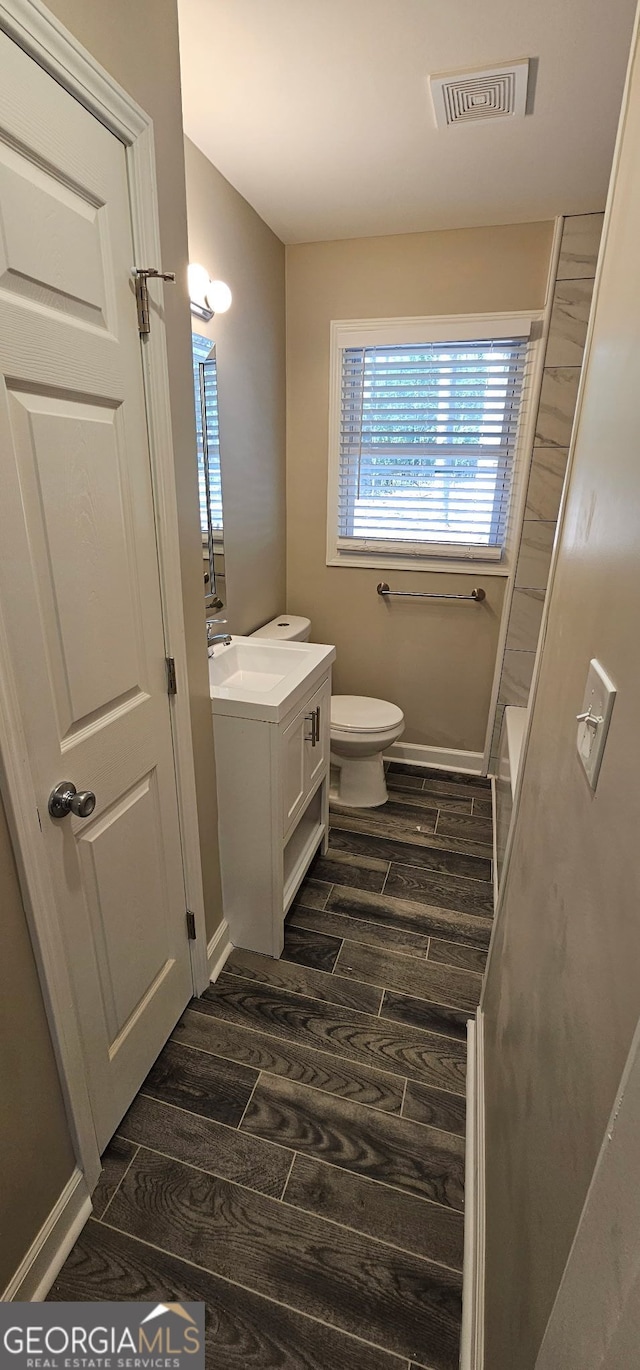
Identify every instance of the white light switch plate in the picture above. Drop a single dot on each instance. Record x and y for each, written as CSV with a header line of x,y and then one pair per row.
x,y
597,704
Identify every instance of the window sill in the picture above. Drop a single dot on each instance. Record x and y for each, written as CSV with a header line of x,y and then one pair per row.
x,y
464,566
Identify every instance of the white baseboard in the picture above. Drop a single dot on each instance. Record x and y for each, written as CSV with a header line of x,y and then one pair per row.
x,y
218,949
472,1339
470,763
49,1250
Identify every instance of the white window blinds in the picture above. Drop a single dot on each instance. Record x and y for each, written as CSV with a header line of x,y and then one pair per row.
x,y
427,446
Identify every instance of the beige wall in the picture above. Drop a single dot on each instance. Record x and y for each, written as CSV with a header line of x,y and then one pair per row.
x,y
36,1156
563,994
435,660
138,45
231,240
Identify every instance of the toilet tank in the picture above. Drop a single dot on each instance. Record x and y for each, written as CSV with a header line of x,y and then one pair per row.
x,y
286,628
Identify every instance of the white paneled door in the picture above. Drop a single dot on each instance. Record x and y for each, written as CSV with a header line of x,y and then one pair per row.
x,y
79,578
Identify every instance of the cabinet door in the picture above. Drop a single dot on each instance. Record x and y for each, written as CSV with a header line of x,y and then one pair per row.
x,y
317,757
294,766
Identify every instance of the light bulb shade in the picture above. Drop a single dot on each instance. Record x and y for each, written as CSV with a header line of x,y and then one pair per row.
x,y
218,296
206,297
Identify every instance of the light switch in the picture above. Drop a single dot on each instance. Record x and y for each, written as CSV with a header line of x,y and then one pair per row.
x,y
593,720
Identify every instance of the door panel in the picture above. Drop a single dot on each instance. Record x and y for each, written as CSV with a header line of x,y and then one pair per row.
x,y
125,913
54,258
79,583
316,756
293,769
302,761
69,457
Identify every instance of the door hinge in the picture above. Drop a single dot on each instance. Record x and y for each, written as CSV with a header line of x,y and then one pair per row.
x,y
191,925
141,275
172,687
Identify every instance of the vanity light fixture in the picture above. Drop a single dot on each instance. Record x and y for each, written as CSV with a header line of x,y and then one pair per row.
x,y
207,297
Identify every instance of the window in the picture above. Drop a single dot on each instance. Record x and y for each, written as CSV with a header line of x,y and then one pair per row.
x,y
425,433
205,384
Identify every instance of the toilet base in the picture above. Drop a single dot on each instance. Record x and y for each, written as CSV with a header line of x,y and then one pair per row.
x,y
361,781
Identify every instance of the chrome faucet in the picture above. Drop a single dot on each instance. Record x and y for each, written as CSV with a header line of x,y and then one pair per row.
x,y
212,637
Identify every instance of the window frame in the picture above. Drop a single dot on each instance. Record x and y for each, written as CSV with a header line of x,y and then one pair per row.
x,y
345,333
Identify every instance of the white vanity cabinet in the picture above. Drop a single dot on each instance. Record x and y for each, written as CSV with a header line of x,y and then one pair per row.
x,y
273,800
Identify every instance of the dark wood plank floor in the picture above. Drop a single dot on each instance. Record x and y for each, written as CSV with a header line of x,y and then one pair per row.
x,y
295,1158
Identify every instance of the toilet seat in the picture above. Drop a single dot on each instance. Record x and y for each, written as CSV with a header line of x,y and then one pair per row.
x,y
353,714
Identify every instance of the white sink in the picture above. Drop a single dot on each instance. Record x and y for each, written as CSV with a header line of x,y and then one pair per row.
x,y
252,678
248,666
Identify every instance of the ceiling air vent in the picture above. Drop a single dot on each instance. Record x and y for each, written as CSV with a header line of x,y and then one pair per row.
x,y
465,97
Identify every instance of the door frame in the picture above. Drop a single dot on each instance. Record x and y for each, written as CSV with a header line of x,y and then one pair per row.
x,y
44,38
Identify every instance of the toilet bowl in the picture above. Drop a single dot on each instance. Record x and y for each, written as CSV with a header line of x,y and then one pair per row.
x,y
361,731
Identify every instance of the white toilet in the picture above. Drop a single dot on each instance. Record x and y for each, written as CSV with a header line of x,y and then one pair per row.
x,y
361,729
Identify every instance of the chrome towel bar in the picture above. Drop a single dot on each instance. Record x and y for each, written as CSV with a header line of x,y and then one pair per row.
x,y
383,589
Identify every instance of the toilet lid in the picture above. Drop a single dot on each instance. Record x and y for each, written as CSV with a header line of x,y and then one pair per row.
x,y
287,627
359,714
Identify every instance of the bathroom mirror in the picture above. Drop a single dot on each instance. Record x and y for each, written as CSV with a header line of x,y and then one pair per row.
x,y
205,381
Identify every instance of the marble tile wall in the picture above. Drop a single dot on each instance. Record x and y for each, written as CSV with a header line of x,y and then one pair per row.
x,y
563,360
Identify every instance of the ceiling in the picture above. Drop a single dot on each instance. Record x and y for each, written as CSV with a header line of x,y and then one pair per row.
x,y
318,111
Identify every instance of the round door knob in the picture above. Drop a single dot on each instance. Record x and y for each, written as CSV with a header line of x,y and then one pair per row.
x,y
65,799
